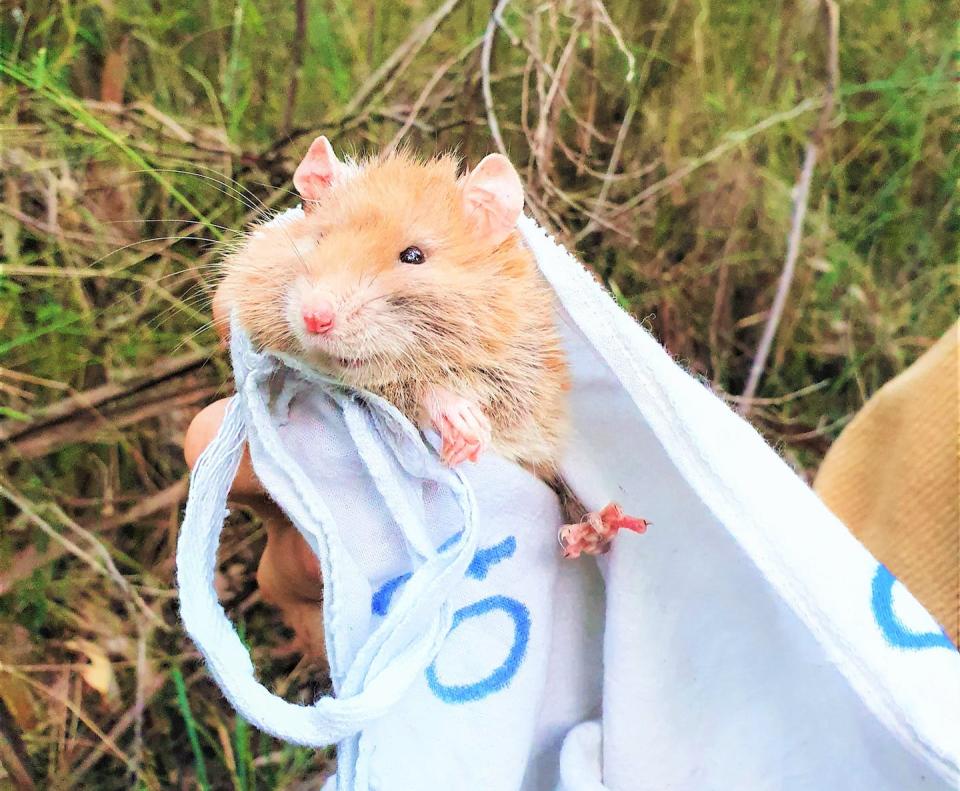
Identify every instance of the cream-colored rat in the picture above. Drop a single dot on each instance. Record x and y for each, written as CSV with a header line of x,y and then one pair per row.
x,y
408,281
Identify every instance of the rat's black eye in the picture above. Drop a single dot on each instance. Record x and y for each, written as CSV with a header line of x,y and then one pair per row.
x,y
412,255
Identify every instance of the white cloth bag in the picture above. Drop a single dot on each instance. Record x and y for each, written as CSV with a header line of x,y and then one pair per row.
x,y
747,641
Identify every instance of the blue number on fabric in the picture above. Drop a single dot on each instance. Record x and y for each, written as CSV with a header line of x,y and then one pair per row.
x,y
478,569
449,542
894,632
483,560
380,601
501,676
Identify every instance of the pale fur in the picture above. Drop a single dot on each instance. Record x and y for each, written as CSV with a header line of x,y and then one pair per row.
x,y
475,319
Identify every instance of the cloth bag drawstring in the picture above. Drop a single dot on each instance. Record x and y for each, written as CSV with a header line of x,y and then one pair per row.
x,y
401,647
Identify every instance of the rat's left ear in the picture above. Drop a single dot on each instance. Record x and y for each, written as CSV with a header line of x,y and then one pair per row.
x,y
493,197
318,170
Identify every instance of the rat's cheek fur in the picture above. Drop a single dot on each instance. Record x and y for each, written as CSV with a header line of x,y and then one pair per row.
x,y
256,287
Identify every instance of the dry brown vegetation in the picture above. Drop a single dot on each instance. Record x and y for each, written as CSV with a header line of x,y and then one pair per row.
x,y
660,139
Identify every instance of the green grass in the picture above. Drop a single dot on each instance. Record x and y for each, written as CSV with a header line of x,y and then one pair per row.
x,y
199,761
111,220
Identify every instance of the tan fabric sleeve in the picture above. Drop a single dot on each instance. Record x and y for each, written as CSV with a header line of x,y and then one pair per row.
x,y
893,477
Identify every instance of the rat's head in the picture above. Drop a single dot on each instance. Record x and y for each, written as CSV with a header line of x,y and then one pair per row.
x,y
398,266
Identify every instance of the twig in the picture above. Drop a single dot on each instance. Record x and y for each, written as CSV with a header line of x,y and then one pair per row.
x,y
428,89
545,134
83,425
132,716
821,430
592,94
205,138
634,93
30,559
296,59
405,52
485,56
43,227
13,756
166,121
98,558
98,396
63,699
733,140
801,197
786,398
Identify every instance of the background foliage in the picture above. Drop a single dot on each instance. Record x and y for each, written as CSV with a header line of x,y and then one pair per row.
x,y
137,136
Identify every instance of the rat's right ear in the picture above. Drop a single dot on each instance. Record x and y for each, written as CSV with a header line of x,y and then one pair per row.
x,y
493,197
318,170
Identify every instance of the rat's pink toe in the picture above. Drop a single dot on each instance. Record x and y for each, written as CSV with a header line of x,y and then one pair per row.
x,y
463,427
594,534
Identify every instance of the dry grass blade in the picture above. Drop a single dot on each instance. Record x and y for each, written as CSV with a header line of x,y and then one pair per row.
x,y
13,756
633,91
128,718
403,53
486,55
801,197
131,384
97,557
29,559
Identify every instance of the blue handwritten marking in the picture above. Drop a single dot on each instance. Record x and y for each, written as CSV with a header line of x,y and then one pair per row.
x,y
380,601
485,558
449,542
895,633
502,676
478,569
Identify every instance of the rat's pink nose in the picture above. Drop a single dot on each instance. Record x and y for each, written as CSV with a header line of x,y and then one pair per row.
x,y
318,316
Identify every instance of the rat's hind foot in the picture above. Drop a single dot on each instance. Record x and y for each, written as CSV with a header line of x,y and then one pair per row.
x,y
463,427
594,532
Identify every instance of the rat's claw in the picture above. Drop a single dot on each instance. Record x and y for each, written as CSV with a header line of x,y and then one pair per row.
x,y
464,429
464,450
469,418
595,531
473,451
452,452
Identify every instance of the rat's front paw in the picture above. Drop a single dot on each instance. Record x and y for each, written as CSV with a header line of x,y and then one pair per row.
x,y
464,429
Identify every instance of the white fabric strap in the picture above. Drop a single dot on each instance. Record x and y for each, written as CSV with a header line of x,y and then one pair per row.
x,y
375,455
398,650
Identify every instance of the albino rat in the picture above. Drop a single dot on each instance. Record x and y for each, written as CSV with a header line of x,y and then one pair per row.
x,y
407,281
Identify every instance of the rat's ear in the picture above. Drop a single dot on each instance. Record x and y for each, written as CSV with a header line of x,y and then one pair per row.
x,y
319,169
493,197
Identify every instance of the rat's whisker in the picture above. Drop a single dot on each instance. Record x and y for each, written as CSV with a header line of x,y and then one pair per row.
x,y
198,268
237,185
294,193
243,195
147,241
193,335
155,220
248,196
225,187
